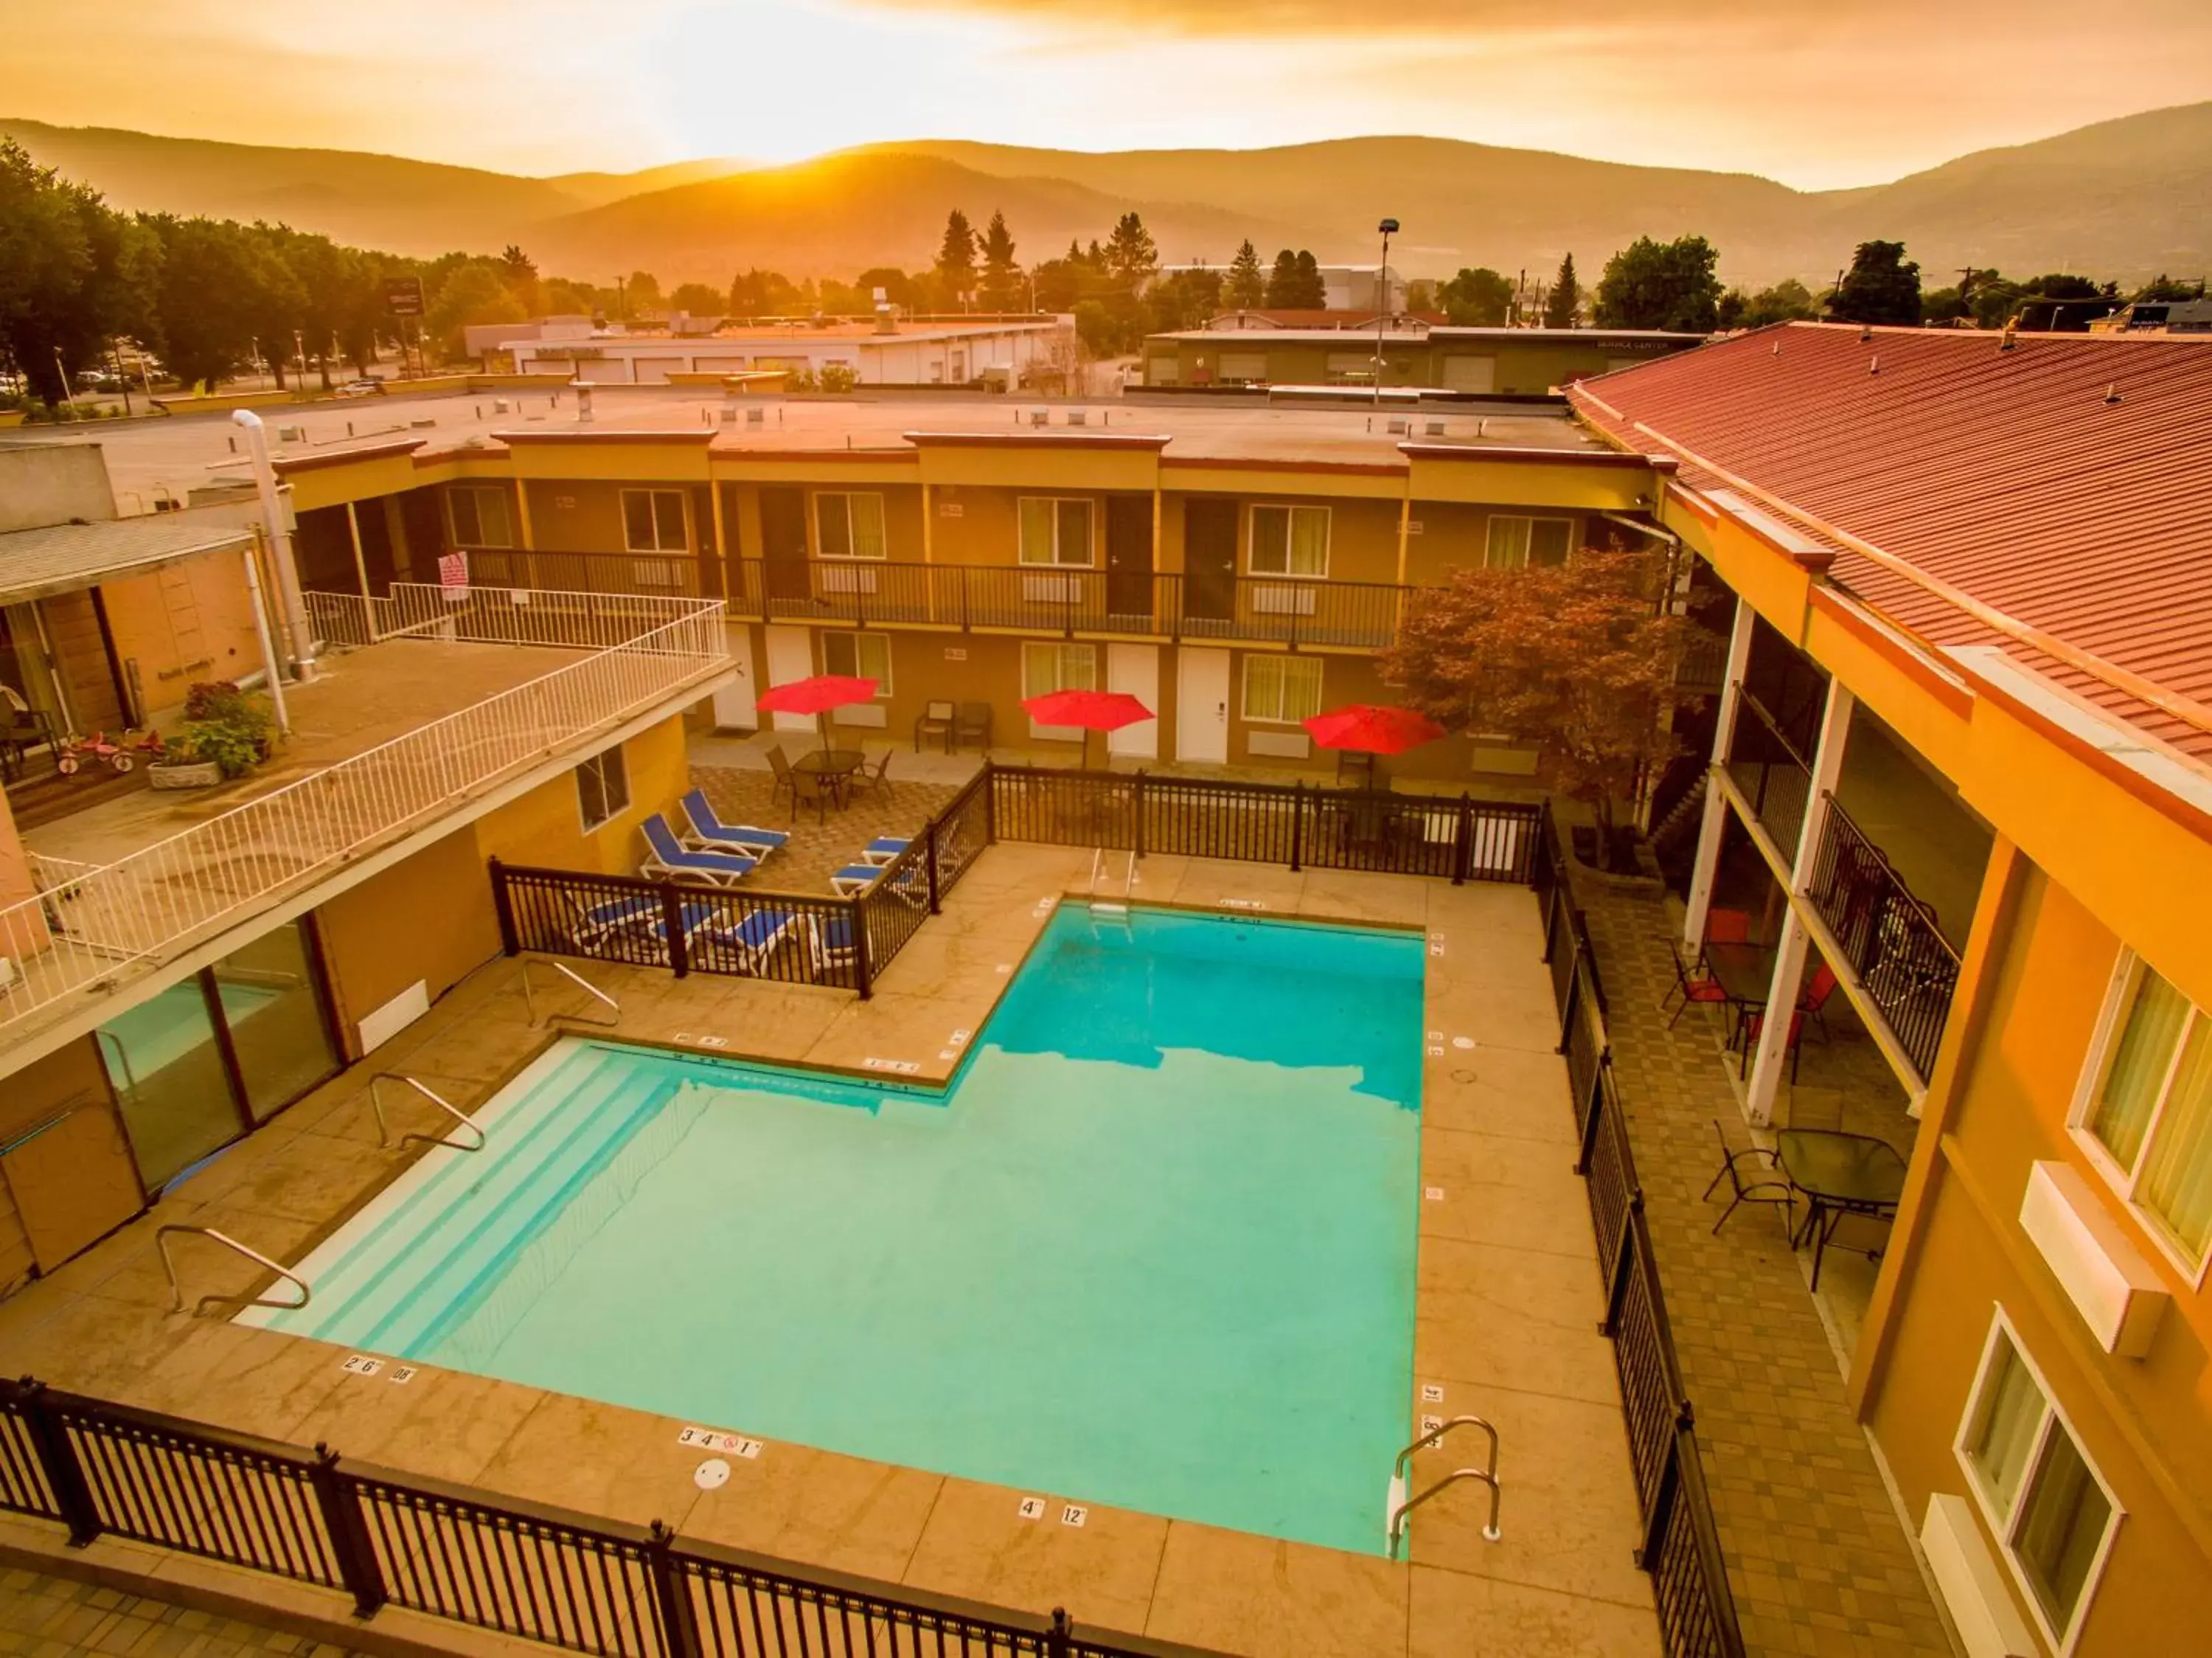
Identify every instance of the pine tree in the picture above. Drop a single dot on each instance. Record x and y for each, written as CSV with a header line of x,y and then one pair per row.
x,y
956,258
1131,254
1002,277
1311,293
1559,310
1283,281
1247,284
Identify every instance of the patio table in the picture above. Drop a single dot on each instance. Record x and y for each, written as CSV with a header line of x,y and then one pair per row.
x,y
1840,1174
834,767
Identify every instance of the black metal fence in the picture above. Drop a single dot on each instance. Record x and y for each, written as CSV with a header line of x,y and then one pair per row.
x,y
1459,839
588,1585
1773,775
1889,938
1681,1546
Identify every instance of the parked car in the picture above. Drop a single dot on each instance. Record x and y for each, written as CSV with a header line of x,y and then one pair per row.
x,y
367,387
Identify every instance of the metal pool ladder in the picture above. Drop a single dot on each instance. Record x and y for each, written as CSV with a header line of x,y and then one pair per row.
x,y
1488,1476
161,1236
383,1129
1111,906
613,1016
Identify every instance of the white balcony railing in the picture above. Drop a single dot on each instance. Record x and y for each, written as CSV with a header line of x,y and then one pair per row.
x,y
98,923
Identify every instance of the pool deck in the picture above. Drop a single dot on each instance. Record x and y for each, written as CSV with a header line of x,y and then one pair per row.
x,y
1507,1310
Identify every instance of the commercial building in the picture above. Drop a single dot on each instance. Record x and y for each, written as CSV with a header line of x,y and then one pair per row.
x,y
1476,362
933,352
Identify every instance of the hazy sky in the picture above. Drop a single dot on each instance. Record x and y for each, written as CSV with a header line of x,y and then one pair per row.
x,y
1817,93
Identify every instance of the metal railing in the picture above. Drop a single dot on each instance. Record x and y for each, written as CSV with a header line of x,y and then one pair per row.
x,y
1680,1543
500,1563
612,1016
143,907
461,1118
1773,777
1890,941
163,1234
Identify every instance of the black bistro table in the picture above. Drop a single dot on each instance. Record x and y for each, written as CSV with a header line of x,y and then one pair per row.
x,y
835,768
1840,1174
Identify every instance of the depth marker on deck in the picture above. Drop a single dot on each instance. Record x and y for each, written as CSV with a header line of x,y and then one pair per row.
x,y
362,1365
1032,1507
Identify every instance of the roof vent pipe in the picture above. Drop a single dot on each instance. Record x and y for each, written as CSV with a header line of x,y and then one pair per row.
x,y
2007,342
1866,332
1874,365
2112,393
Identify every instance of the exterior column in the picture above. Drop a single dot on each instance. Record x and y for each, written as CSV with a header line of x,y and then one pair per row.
x,y
360,569
1790,953
1716,819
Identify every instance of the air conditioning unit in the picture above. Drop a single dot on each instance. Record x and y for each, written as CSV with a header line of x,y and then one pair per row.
x,y
1040,417
1399,428
1435,429
1078,417
291,434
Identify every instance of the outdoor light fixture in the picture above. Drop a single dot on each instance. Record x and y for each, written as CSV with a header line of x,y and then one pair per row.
x,y
1389,228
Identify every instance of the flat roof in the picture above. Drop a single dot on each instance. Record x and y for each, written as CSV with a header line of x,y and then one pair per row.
x,y
1593,337
57,558
864,331
187,452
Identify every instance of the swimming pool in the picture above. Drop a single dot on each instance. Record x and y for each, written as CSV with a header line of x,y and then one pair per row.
x,y
1153,1247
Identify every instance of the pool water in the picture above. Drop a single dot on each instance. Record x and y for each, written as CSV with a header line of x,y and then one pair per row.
x,y
1154,1247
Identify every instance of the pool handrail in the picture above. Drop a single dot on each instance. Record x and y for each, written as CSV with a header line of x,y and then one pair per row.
x,y
1488,1476
530,1003
161,1236
383,1129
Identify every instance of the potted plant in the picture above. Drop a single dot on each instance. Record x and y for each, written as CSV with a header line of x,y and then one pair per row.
x,y
183,766
227,733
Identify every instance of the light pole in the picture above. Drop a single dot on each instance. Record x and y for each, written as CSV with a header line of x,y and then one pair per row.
x,y
1389,228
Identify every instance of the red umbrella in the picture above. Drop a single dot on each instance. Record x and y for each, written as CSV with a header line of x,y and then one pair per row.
x,y
817,696
1094,711
1370,730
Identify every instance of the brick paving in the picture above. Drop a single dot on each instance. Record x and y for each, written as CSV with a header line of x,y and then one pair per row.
x,y
819,846
1818,1560
43,1617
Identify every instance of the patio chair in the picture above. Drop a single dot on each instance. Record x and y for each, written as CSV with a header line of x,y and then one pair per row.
x,y
879,778
1755,1190
596,925
1749,1026
1814,1003
753,939
780,763
854,879
936,720
712,833
973,721
883,848
829,940
1691,989
817,789
670,858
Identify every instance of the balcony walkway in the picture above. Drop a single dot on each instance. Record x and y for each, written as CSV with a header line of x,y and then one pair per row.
x,y
1818,1560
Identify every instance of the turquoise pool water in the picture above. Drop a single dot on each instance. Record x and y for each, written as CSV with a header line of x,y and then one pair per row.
x,y
1154,1247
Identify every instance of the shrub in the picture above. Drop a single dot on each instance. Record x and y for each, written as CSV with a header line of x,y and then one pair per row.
x,y
226,726
839,377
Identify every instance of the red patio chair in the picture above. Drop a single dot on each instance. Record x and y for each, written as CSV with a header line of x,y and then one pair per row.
x,y
1752,1019
1690,989
1822,986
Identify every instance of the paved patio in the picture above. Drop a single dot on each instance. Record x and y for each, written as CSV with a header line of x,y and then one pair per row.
x,y
46,1617
1507,1303
1818,1558
821,843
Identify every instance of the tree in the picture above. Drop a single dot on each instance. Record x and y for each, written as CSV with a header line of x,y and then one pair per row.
x,y
201,303
1002,273
520,272
1882,286
1561,310
1189,299
1578,658
761,293
1282,281
45,261
897,286
476,294
2167,290
1476,298
1312,291
1247,284
698,299
1295,283
955,257
1787,300
1131,253
640,293
1669,285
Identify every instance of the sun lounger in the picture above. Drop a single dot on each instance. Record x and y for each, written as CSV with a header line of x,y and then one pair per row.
x,y
831,940
753,939
883,848
711,833
672,858
854,879
597,923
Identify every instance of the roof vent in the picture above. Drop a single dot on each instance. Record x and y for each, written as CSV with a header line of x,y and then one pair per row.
x,y
1778,349
2112,393
1866,332
2007,342
1874,365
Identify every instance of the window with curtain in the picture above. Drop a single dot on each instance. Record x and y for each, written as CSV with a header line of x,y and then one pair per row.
x,y
2051,1511
1054,530
1290,541
2148,1110
1048,668
1515,543
850,526
652,520
861,656
477,515
1281,690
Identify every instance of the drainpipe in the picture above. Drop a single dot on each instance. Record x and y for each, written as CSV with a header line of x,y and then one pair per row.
x,y
298,639
269,666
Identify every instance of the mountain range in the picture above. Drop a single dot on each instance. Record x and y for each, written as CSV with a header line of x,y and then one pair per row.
x,y
2126,198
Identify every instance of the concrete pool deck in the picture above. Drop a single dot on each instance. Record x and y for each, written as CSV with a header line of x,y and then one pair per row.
x,y
1508,1302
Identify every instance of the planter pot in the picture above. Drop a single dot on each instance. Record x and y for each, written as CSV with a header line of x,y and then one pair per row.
x,y
13,416
200,775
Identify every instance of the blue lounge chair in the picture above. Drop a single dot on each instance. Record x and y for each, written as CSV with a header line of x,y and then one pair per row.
x,y
855,878
596,924
712,832
831,939
883,848
672,858
753,939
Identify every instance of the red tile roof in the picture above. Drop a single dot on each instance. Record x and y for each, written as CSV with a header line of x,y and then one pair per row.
x,y
2066,483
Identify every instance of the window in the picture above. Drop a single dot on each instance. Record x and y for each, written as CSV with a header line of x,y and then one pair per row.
x,y
850,526
1056,530
602,787
2052,1514
478,516
652,520
2145,1108
1281,690
1516,543
1049,668
1244,365
860,657
1290,541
